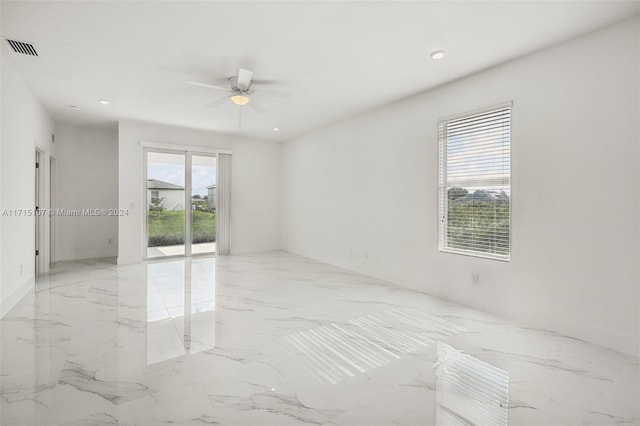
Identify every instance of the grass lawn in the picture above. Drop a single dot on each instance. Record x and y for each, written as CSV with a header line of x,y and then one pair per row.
x,y
167,227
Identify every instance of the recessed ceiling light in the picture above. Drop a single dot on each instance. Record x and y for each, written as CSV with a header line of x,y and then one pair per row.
x,y
74,107
276,129
103,101
438,54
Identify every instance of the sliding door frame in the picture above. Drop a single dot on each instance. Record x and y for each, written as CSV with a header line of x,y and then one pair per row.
x,y
188,152
145,207
189,233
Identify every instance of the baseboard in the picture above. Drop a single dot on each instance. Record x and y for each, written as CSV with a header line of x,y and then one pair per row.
x,y
611,339
591,333
86,255
12,300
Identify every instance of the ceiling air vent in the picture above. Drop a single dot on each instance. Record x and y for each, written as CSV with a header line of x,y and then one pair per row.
x,y
21,47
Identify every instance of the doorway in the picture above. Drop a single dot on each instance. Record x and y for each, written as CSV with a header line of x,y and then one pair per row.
x,y
42,190
181,203
36,218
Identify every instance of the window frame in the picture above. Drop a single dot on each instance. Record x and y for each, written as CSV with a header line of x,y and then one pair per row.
x,y
443,199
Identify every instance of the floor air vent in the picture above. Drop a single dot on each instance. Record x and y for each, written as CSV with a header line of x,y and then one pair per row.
x,y
21,47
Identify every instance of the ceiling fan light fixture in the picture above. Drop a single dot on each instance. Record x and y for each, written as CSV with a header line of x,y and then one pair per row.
x,y
240,99
438,54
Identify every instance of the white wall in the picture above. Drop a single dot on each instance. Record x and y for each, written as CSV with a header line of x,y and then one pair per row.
x,y
363,193
2,299
255,191
25,126
86,178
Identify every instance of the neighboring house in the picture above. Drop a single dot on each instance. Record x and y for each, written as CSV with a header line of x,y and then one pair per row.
x,y
484,195
172,195
212,197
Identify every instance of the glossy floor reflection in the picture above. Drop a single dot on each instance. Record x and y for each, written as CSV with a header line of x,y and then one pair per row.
x,y
277,339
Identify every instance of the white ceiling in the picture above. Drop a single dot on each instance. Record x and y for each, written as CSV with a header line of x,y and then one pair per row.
x,y
338,58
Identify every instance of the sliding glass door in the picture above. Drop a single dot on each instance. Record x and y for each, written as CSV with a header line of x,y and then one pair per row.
x,y
180,190
165,204
203,204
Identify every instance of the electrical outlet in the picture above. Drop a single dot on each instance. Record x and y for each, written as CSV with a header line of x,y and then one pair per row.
x,y
21,269
475,278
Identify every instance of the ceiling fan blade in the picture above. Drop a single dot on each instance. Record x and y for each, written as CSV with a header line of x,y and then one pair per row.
x,y
256,107
244,79
274,93
208,86
265,82
218,102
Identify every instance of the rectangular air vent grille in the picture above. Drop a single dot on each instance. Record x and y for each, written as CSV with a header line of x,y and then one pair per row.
x,y
21,47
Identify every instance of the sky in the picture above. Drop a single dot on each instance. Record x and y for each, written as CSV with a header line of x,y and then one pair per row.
x,y
478,154
201,177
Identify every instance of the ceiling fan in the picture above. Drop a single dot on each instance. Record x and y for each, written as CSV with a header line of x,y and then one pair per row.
x,y
241,90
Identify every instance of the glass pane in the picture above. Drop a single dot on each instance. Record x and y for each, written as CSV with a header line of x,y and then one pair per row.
x,y
478,219
165,204
203,204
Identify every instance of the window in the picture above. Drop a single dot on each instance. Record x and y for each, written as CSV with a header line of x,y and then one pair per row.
x,y
475,188
154,196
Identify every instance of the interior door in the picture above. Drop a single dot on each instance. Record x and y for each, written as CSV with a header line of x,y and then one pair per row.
x,y
36,217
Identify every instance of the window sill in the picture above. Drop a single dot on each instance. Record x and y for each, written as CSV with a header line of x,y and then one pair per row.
x,y
489,256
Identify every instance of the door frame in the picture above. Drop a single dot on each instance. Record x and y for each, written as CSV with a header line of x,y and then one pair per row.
x,y
188,153
37,223
43,190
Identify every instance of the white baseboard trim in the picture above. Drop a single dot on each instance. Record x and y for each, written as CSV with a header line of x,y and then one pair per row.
x,y
576,329
12,300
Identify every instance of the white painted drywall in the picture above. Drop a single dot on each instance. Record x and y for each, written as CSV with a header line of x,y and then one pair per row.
x,y
363,193
25,126
86,178
255,191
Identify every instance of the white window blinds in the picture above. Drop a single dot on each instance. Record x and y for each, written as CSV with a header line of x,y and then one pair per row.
x,y
475,187
223,209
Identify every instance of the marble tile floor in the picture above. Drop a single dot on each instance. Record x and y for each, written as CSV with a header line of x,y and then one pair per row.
x,y
278,339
